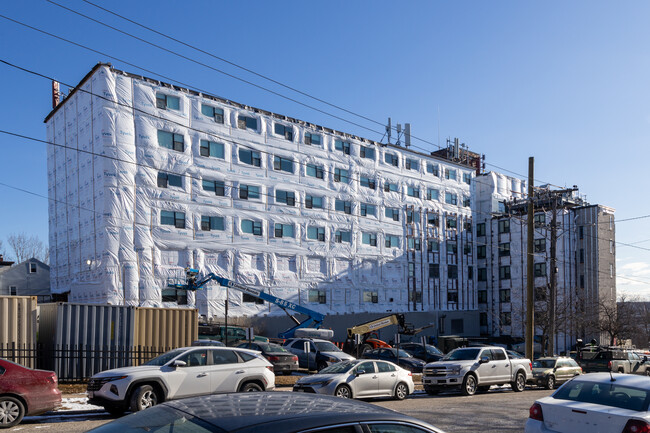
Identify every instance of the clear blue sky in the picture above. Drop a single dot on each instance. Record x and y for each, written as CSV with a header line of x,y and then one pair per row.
x,y
565,82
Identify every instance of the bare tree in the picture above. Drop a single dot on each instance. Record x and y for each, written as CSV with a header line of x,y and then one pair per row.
x,y
617,319
26,247
2,249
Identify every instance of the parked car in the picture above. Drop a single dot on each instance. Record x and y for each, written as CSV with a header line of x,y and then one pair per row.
x,y
359,379
284,362
596,402
603,358
405,359
183,372
514,355
270,412
426,352
234,334
475,369
322,353
548,372
25,391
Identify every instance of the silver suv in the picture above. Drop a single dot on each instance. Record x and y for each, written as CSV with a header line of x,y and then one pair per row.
x,y
320,353
183,372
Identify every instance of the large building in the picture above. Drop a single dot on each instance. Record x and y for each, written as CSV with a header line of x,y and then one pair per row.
x,y
146,178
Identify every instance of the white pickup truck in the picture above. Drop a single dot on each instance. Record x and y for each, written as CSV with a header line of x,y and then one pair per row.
x,y
475,369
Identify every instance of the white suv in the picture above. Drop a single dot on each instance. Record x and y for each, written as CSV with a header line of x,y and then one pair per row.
x,y
180,373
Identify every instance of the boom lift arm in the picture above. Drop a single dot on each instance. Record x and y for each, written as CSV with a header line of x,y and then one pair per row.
x,y
314,318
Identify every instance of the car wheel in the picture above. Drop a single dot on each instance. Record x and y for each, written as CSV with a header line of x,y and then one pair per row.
x,y
431,391
321,365
251,387
469,385
115,410
550,382
520,382
12,411
401,391
143,397
343,391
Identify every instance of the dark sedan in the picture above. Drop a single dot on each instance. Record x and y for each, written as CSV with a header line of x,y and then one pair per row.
x,y
24,391
270,412
425,352
405,360
284,362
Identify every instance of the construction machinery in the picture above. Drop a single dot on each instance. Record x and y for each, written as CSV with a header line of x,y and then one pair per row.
x,y
368,340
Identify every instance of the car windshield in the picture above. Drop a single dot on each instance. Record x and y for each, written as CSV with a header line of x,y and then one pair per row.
x,y
544,363
339,367
402,353
605,393
433,350
326,346
272,348
461,355
165,357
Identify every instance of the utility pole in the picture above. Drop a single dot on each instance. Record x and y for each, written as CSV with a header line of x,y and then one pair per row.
x,y
530,300
553,282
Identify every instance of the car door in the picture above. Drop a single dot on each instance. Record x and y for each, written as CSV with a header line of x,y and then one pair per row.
x,y
226,370
387,374
486,370
366,380
193,378
503,368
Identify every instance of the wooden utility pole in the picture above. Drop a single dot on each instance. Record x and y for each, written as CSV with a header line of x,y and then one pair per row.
x,y
530,300
553,281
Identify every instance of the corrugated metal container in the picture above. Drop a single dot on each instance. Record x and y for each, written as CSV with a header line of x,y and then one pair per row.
x,y
166,328
18,327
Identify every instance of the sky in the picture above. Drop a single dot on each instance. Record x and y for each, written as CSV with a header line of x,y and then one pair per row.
x,y
564,82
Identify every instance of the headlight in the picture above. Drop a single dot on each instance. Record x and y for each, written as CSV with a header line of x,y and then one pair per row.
x,y
454,370
331,359
322,383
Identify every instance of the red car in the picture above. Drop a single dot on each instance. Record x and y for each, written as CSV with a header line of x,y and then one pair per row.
x,y
24,391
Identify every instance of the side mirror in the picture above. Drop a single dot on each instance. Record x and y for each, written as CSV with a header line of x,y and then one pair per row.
x,y
484,360
179,363
359,373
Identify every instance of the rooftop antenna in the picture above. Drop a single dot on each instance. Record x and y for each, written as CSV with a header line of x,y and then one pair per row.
x,y
389,129
407,135
399,131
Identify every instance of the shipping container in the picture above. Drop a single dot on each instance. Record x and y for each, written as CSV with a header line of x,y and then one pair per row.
x,y
18,329
166,328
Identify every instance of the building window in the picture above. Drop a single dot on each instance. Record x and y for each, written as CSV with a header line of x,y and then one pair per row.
x,y
245,122
167,102
504,272
210,148
452,223
415,244
452,247
582,281
369,239
482,296
483,317
282,164
341,236
434,270
370,297
411,269
13,290
172,141
315,171
250,157
391,159
285,131
391,241
313,202
412,164
433,219
582,255
177,296
504,226
343,206
539,219
316,233
392,213
433,169
452,271
504,295
539,269
213,112
342,146
450,174
480,229
481,251
451,198
481,274
467,249
433,194
433,246
251,227
390,187
611,271
211,223
467,226
367,182
166,180
467,178
368,209
215,186
341,175
504,249
505,318
367,152
412,217
539,245
581,232
32,268
452,297
169,218
247,192
317,296
311,138
466,201
286,197
412,191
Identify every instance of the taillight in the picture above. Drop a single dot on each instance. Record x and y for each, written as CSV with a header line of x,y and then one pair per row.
x,y
273,358
270,367
410,374
609,365
530,365
535,412
636,426
295,358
